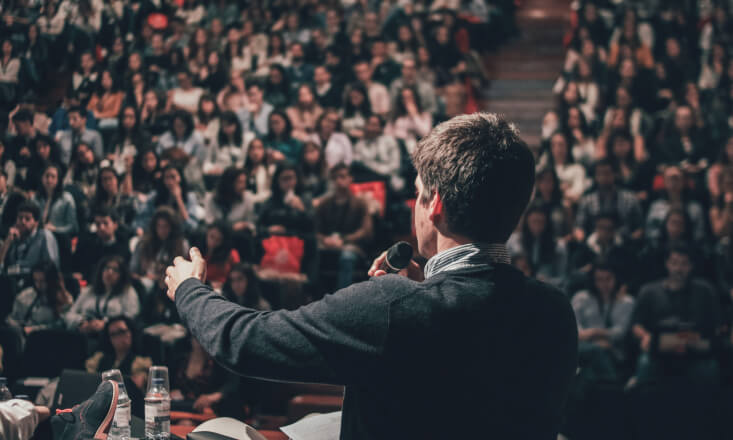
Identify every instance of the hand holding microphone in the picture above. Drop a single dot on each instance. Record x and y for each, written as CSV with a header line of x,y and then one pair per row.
x,y
397,259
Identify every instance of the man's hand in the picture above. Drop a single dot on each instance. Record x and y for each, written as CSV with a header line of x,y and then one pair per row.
x,y
412,271
183,270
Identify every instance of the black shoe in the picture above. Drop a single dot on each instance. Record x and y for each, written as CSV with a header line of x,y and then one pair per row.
x,y
90,419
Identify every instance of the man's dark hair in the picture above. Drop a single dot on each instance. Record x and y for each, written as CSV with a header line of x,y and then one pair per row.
x,y
23,115
106,211
78,109
682,249
31,208
483,172
336,168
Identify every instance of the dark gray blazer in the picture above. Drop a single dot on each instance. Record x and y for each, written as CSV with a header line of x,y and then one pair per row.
x,y
464,354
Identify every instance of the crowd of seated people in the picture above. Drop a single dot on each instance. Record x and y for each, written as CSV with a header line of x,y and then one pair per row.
x,y
133,130
633,210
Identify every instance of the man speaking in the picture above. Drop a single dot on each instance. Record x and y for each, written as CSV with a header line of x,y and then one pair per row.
x,y
469,349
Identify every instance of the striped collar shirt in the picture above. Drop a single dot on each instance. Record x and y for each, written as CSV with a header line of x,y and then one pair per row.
x,y
468,256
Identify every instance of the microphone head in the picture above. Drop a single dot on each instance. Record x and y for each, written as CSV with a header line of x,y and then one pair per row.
x,y
399,255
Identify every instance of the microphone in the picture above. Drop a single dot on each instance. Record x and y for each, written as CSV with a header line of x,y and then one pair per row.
x,y
398,257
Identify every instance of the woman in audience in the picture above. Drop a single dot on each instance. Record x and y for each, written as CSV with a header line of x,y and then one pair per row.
x,y
128,140
58,210
583,144
277,87
573,180
145,173
105,103
634,176
219,253
119,349
285,212
229,148
259,171
181,142
44,304
677,230
536,239
172,191
207,120
337,147
313,171
109,295
153,117
243,287
45,152
83,170
356,111
548,192
603,313
409,122
304,114
280,140
110,195
162,241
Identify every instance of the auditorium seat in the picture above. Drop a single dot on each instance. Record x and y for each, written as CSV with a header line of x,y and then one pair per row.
x,y
304,404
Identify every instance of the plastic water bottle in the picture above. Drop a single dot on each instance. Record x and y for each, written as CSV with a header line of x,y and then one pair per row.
x,y
157,411
120,429
4,391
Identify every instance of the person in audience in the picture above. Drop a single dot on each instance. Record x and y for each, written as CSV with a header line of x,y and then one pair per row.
x,y
108,239
675,195
573,180
337,147
199,384
228,149
243,287
109,295
106,101
44,304
129,139
255,116
171,191
548,192
547,256
673,336
112,195
162,240
77,133
356,110
409,122
343,225
377,156
219,252
304,113
280,143
608,197
603,313
207,120
259,170
285,212
27,245
721,211
377,93
145,173
424,90
313,171
181,142
120,349
57,207
83,171
327,93
185,97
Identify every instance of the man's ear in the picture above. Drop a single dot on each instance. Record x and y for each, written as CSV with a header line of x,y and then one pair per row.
x,y
436,209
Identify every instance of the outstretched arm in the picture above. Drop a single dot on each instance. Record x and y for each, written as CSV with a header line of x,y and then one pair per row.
x,y
338,339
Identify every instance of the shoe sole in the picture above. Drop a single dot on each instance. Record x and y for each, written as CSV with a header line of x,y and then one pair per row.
x,y
103,429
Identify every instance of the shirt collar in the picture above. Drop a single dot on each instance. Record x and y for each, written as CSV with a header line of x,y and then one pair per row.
x,y
467,256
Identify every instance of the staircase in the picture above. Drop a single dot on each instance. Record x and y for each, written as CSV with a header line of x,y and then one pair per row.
x,y
523,70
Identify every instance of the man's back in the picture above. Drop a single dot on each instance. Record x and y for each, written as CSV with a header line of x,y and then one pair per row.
x,y
486,354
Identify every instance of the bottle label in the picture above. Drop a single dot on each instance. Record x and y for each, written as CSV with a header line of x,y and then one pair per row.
x,y
122,417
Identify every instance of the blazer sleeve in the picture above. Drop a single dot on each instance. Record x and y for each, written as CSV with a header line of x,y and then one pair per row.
x,y
338,339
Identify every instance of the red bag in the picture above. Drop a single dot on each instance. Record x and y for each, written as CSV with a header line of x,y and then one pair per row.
x,y
376,190
282,253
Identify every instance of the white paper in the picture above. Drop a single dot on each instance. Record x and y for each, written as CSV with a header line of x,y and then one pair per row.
x,y
317,427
